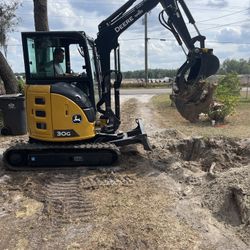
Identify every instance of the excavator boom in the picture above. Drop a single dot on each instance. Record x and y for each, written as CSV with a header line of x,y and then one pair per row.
x,y
191,95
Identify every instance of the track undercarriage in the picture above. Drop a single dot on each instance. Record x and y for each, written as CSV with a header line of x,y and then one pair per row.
x,y
102,151
25,156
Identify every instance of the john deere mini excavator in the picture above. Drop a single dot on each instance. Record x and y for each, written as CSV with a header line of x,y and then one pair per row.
x,y
70,117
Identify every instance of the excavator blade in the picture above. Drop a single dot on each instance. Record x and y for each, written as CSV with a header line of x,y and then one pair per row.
x,y
193,95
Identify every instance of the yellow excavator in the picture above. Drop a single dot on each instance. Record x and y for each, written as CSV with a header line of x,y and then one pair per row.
x,y
70,117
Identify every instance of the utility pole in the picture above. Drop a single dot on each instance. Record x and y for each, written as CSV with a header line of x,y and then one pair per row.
x,y
146,47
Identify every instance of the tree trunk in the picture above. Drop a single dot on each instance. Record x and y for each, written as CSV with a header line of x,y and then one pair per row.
x,y
41,15
8,76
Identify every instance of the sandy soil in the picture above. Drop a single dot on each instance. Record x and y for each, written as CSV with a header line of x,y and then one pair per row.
x,y
188,193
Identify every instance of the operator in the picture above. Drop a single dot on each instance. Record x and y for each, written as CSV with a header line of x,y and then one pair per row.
x,y
58,55
54,68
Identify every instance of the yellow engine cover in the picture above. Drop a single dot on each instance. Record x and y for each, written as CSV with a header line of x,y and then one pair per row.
x,y
54,117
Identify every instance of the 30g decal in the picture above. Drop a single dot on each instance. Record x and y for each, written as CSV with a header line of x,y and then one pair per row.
x,y
65,133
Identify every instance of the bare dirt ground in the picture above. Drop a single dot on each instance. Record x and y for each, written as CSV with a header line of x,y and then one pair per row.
x,y
188,193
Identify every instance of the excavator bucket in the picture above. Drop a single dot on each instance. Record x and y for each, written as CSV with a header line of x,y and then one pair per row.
x,y
205,65
193,95
191,103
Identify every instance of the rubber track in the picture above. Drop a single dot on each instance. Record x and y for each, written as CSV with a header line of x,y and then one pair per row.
x,y
33,147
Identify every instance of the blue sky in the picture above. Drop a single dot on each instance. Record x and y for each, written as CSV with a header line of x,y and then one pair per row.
x,y
225,23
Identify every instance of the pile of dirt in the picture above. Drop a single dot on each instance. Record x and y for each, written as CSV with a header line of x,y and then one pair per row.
x,y
213,172
220,153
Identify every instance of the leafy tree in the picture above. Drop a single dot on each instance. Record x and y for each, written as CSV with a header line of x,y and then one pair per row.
x,y
241,66
8,20
152,73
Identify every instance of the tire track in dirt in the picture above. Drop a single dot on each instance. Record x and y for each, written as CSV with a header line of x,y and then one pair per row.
x,y
3,212
107,180
65,202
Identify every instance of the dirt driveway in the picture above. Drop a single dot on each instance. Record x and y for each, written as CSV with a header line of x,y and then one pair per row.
x,y
188,193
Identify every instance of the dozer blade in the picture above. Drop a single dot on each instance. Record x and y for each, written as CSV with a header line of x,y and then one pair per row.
x,y
32,156
193,96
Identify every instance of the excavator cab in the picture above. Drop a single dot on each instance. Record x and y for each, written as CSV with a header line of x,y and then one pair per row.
x,y
62,85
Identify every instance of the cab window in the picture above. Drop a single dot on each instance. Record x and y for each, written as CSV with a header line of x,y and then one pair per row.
x,y
53,57
94,71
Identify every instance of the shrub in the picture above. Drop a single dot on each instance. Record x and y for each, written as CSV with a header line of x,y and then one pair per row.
x,y
20,86
227,95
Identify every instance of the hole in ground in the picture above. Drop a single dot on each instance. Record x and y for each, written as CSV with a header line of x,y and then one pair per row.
x,y
225,152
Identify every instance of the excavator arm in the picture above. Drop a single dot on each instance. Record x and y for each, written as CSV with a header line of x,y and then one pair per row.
x,y
191,95
107,40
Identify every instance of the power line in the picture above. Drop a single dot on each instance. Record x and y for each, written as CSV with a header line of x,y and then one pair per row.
x,y
200,22
173,40
227,24
233,13
121,3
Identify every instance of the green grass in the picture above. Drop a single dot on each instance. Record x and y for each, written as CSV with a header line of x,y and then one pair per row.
x,y
143,85
161,101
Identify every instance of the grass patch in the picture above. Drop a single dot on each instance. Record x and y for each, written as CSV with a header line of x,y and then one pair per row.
x,y
161,101
236,125
146,86
244,100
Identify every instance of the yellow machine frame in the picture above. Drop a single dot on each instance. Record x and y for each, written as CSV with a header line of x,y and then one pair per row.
x,y
50,115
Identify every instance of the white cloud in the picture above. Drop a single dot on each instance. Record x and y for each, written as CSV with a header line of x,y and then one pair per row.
x,y
229,34
87,14
217,3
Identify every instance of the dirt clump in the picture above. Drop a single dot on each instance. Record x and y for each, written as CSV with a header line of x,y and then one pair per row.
x,y
224,152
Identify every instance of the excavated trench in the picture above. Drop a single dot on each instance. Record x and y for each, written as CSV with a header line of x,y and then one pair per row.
x,y
212,176
220,153
213,172
223,153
